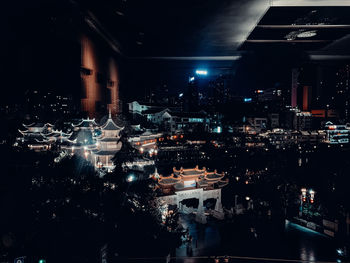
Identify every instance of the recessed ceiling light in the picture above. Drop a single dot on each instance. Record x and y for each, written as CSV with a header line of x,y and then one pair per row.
x,y
307,34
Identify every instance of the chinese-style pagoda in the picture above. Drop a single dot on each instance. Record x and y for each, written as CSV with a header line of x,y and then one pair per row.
x,y
107,144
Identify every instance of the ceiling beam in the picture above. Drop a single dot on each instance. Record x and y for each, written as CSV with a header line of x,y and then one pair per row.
x,y
309,3
205,58
287,41
302,26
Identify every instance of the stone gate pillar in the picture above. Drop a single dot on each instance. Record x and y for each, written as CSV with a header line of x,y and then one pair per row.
x,y
218,205
200,216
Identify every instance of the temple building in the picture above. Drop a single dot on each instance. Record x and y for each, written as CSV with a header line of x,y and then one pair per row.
x,y
96,143
85,131
146,142
37,127
40,136
192,183
107,144
85,124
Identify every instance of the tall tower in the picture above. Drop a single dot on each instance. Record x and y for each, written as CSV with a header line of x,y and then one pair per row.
x,y
342,98
306,98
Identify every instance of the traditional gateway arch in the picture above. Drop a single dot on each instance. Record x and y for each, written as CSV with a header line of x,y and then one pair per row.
x,y
192,183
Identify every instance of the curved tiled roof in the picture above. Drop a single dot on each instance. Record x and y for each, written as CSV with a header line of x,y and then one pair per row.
x,y
110,125
85,123
179,186
214,176
223,183
168,181
200,176
203,182
192,172
38,125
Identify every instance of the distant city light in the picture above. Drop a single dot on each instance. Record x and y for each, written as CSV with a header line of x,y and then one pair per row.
x,y
191,79
180,95
247,99
130,178
201,72
340,251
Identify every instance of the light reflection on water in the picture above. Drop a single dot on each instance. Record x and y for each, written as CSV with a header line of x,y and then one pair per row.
x,y
295,243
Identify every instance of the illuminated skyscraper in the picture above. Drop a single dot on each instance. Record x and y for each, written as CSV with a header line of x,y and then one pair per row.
x,y
342,96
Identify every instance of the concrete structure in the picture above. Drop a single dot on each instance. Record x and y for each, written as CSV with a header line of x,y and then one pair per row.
x,y
192,183
179,121
337,134
258,124
146,142
302,120
274,120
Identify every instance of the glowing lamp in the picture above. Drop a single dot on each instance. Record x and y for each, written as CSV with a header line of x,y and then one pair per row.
x,y
201,72
303,194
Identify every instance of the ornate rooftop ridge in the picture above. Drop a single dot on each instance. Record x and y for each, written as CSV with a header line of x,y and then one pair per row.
x,y
110,124
85,120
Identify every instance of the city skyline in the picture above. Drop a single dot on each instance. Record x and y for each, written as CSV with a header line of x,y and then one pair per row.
x,y
186,131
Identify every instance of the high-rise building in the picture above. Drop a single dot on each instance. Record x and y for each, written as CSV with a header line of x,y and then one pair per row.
x,y
191,96
220,90
306,98
295,75
342,96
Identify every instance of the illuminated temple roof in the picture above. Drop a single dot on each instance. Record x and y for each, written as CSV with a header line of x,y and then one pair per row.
x,y
85,123
183,179
38,125
43,133
110,124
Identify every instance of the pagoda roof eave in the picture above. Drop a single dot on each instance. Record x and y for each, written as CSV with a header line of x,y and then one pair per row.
x,y
111,125
85,120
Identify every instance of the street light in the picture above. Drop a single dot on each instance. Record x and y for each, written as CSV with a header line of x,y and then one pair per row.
x,y
303,194
312,196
